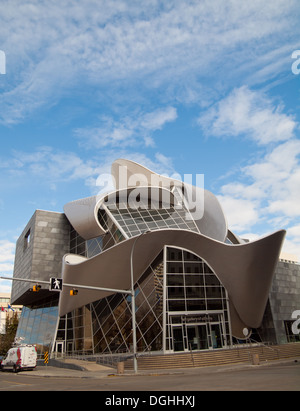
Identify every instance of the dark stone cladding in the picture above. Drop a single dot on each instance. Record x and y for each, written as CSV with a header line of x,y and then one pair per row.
x,y
39,252
284,296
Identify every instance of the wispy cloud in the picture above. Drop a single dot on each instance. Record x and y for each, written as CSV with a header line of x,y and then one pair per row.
x,y
7,256
52,47
249,113
49,165
267,189
50,168
127,131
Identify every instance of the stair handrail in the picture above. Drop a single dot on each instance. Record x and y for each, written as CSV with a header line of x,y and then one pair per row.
x,y
193,361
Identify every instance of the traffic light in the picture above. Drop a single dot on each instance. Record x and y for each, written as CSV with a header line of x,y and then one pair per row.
x,y
73,292
36,288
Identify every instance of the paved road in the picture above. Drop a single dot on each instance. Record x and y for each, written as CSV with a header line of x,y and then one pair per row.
x,y
272,377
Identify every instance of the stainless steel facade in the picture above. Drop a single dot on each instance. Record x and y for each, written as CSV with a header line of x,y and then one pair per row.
x,y
197,285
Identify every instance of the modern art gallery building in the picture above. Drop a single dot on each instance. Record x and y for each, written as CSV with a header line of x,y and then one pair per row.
x,y
156,249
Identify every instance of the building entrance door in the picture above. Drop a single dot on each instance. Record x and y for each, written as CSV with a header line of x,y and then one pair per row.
x,y
215,335
178,341
191,335
197,337
59,349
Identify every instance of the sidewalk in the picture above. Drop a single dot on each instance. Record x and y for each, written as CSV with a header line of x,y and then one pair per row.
x,y
97,371
50,371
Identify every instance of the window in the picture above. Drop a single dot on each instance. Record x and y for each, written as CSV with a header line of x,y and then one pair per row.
x,y
194,292
27,240
133,221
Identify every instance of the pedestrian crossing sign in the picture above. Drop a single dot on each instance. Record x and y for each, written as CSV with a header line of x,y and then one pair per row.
x,y
56,284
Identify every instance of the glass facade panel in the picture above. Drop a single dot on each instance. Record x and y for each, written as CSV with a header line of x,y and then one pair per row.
x,y
192,293
194,314
197,314
112,317
38,325
135,218
77,243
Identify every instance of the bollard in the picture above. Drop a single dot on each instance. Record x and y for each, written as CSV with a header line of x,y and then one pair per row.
x,y
46,357
255,359
120,367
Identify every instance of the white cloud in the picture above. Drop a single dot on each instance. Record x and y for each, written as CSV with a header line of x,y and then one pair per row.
x,y
265,195
5,287
7,252
269,190
52,47
278,177
249,113
49,168
158,118
7,256
49,165
241,214
295,232
4,267
128,131
292,241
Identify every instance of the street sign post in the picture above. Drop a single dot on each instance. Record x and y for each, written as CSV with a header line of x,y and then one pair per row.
x,y
56,284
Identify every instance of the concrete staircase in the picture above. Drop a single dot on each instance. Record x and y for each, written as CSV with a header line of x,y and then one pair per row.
x,y
248,355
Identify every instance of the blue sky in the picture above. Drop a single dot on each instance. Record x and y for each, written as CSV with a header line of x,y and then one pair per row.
x,y
187,87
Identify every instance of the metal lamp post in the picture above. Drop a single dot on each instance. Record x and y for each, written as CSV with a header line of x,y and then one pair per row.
x,y
135,366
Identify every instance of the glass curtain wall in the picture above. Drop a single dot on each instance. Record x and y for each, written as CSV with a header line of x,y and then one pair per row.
x,y
196,304
180,303
112,316
74,334
133,221
37,325
180,306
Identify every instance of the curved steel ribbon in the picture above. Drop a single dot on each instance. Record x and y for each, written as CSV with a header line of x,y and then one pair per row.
x,y
245,270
